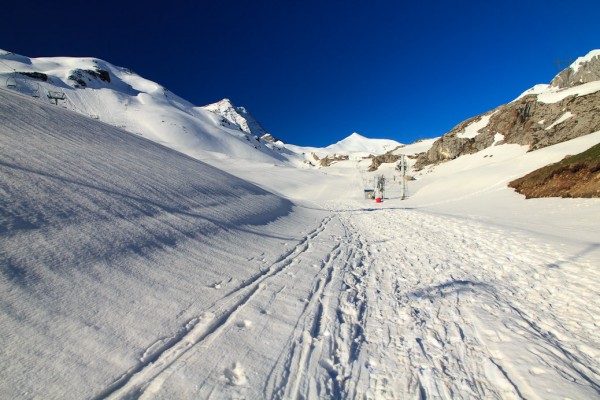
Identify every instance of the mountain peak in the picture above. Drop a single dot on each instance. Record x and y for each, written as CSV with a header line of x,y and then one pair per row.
x,y
237,116
356,142
355,135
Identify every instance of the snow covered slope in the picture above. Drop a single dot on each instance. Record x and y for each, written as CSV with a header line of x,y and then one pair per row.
x,y
112,247
120,97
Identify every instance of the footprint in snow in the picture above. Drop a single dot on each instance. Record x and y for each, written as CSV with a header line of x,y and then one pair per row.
x,y
236,376
244,324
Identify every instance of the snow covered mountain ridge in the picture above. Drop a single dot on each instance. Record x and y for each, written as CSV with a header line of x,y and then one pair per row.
x,y
542,116
562,110
119,97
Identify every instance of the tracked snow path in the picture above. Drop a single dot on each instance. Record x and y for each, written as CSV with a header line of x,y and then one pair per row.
x,y
393,304
462,310
269,305
293,331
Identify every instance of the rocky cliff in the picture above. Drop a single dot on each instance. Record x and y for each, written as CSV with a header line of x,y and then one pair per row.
x,y
545,115
584,70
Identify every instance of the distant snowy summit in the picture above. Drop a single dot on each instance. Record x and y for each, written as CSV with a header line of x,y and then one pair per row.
x,y
354,147
356,143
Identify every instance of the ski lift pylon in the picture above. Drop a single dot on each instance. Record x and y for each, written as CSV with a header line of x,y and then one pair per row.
x,y
56,96
11,82
36,91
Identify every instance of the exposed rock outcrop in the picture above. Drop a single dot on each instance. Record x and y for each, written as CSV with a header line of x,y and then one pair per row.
x,y
583,70
388,157
82,77
267,137
329,159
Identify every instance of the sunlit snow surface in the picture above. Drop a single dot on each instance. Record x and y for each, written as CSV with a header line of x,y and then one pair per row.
x,y
132,271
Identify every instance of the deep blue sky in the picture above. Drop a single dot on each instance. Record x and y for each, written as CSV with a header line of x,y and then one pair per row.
x,y
313,72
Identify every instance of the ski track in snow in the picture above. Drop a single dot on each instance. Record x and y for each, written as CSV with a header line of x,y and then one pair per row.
x,y
427,307
147,377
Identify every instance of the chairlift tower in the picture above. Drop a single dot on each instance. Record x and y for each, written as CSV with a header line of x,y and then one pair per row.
x,y
380,186
56,96
35,91
402,167
11,82
126,106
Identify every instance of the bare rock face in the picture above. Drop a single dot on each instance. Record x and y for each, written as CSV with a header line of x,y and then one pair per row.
x,y
527,121
329,159
388,157
583,70
267,137
451,145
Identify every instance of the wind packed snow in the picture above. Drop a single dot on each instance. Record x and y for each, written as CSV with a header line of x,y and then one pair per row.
x,y
130,270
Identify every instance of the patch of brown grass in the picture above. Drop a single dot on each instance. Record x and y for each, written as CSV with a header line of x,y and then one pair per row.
x,y
574,176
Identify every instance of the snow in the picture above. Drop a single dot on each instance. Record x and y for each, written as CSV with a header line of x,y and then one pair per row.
x,y
472,130
358,143
113,246
537,89
355,146
238,116
130,270
555,95
560,120
549,95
